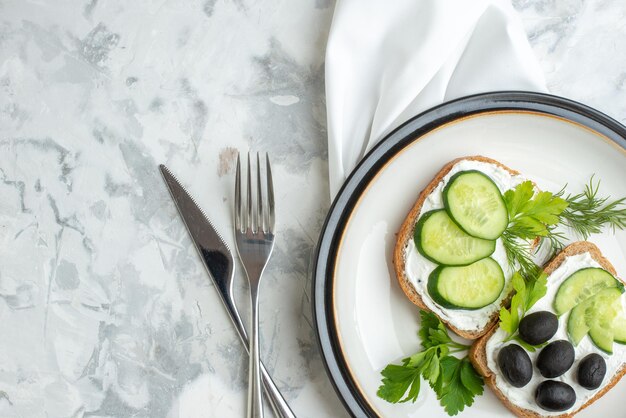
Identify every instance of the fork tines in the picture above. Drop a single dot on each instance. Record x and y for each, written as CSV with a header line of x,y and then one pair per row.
x,y
260,216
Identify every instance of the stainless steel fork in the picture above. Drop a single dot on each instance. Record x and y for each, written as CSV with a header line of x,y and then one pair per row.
x,y
254,235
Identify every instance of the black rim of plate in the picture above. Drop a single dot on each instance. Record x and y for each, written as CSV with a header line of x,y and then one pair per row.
x,y
366,170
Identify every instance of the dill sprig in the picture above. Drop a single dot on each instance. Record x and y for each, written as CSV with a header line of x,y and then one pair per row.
x,y
537,215
587,214
518,254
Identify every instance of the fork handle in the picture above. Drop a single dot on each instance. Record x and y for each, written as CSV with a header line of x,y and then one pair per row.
x,y
277,401
255,396
279,405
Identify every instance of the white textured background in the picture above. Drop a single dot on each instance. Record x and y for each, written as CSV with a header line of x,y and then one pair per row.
x,y
105,310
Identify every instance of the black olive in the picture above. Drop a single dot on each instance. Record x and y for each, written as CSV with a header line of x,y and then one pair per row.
x,y
556,358
515,365
591,371
553,395
538,327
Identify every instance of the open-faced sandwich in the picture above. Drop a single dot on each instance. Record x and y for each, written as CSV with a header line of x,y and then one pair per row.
x,y
568,349
449,256
548,342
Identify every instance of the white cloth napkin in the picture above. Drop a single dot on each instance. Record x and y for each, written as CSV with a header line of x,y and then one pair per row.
x,y
387,61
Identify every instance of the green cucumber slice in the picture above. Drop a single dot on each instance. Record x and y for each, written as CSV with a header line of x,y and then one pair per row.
x,y
595,316
475,203
577,326
581,285
441,241
619,326
468,287
606,307
602,338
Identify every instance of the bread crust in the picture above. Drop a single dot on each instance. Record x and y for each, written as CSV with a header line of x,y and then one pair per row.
x,y
406,233
478,351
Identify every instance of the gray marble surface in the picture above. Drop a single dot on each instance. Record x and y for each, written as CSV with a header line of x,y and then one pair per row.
x,y
105,310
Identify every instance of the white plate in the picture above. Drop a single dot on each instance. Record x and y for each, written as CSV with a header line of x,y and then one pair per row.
x,y
367,321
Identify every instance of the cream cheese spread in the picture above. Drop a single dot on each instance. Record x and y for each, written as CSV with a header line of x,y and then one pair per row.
x,y
525,397
418,268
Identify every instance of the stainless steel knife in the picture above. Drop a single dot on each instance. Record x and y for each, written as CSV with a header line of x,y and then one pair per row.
x,y
218,261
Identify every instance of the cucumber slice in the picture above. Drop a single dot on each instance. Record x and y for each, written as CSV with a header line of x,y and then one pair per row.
x,y
580,286
619,326
440,240
595,316
467,287
605,308
475,203
602,338
577,326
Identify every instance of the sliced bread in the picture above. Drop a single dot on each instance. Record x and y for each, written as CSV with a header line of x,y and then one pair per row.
x,y
479,357
405,237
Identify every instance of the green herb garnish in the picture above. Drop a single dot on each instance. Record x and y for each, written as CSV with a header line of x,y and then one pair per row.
x,y
537,215
531,215
586,213
527,293
454,380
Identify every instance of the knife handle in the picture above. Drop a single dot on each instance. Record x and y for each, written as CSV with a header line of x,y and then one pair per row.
x,y
278,403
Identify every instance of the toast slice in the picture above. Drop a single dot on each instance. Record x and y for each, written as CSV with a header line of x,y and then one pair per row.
x,y
405,235
478,351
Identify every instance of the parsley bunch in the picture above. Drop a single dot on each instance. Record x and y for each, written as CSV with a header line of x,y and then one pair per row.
x,y
454,380
531,215
527,293
537,215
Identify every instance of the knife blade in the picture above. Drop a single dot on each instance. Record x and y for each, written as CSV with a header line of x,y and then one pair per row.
x,y
218,261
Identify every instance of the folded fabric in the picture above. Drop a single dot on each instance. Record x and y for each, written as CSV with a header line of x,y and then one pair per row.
x,y
387,61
